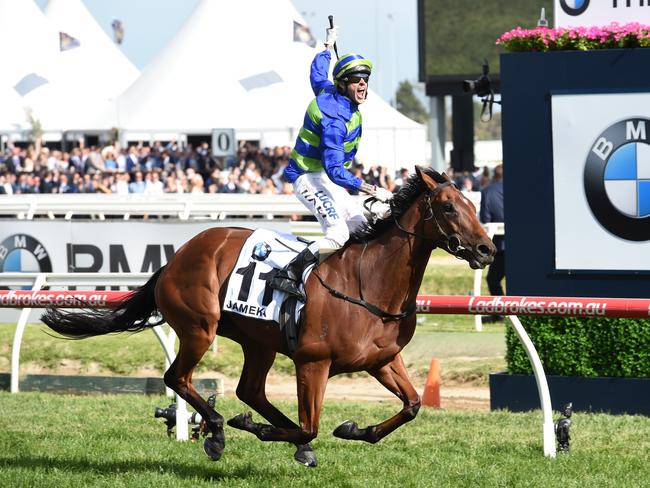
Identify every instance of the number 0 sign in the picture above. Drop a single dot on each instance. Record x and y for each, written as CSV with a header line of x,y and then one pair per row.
x,y
224,142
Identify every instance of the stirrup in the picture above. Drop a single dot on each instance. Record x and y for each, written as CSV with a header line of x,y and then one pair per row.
x,y
289,287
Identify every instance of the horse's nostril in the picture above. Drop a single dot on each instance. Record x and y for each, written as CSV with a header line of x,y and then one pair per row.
x,y
483,250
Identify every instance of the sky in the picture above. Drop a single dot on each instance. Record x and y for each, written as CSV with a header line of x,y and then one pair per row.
x,y
384,31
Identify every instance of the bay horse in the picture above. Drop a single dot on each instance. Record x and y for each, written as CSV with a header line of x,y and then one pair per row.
x,y
359,315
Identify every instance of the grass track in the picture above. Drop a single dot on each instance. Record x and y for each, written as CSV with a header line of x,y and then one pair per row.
x,y
64,441
465,355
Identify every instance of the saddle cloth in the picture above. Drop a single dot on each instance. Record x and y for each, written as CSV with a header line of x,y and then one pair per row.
x,y
263,254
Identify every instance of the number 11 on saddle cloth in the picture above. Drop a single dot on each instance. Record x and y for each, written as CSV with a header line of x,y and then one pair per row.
x,y
264,253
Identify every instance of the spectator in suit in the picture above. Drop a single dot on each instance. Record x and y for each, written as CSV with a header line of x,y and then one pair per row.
x,y
132,160
5,184
492,211
15,162
64,185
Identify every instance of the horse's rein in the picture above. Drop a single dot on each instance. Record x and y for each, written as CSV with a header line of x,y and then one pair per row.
x,y
374,309
445,240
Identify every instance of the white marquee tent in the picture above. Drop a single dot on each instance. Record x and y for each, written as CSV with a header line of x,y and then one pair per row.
x,y
227,68
92,72
96,60
66,89
13,118
29,45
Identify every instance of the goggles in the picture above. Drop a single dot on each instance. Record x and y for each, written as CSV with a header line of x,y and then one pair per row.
x,y
357,78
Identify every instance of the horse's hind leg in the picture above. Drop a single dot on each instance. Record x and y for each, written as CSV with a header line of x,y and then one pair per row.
x,y
251,390
193,343
395,378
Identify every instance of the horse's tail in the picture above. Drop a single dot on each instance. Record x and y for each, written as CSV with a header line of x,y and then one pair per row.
x,y
130,316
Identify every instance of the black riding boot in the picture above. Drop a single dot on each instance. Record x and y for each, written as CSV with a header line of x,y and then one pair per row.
x,y
289,278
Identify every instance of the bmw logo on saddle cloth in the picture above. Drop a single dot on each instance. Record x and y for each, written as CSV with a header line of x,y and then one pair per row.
x,y
617,179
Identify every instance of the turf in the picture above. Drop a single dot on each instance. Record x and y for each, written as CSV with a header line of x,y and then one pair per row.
x,y
63,441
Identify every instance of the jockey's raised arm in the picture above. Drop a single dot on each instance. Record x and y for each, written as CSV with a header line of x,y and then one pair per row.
x,y
319,163
320,67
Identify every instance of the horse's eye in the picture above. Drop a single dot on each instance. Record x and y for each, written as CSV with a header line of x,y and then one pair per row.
x,y
448,207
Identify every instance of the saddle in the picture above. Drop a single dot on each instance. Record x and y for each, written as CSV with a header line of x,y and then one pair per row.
x,y
248,292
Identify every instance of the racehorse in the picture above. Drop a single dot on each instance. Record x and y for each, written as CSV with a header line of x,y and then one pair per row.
x,y
359,315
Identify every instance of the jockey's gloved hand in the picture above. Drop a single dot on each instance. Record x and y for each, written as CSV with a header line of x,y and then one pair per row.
x,y
380,210
331,35
382,194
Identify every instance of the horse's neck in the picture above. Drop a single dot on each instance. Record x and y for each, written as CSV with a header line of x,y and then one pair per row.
x,y
404,258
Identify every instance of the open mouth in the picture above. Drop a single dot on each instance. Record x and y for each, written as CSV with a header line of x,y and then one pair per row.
x,y
475,262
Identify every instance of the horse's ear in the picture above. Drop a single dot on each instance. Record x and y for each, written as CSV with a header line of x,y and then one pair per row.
x,y
424,176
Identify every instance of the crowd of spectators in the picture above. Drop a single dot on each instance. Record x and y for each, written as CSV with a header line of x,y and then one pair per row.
x,y
167,168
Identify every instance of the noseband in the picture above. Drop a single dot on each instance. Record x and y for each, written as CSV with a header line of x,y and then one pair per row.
x,y
450,243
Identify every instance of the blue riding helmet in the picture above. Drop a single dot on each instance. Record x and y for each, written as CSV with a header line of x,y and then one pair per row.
x,y
351,65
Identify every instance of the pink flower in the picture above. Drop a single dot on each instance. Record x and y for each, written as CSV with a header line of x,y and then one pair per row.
x,y
631,34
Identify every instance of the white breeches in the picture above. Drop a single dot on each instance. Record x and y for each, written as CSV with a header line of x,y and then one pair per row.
x,y
333,206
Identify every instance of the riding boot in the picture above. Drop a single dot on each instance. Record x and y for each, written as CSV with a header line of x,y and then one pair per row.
x,y
289,278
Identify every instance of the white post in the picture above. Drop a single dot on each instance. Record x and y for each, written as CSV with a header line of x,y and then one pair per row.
x,y
437,132
167,342
18,338
492,229
478,320
548,429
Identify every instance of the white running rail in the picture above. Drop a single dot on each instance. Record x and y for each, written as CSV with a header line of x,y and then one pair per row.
x,y
38,280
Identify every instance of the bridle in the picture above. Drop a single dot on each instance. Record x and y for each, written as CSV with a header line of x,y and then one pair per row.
x,y
451,243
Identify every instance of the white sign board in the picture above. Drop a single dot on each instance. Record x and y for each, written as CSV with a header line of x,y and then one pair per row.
x,y
224,142
601,181
587,13
101,246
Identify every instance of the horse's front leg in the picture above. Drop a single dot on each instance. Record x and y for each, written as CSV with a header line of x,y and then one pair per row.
x,y
395,378
312,380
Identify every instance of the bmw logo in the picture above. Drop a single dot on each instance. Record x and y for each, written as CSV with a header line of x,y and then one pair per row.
x,y
261,251
617,179
21,252
574,7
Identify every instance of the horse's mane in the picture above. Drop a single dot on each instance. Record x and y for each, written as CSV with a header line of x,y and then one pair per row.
x,y
402,200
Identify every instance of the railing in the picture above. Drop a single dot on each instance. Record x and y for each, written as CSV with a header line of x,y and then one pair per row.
x,y
39,280
488,305
216,206
188,207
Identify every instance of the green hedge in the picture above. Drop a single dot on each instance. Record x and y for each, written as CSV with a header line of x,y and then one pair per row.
x,y
583,347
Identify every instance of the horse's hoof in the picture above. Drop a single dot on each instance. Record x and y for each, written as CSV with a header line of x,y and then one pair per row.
x,y
213,448
347,430
305,455
240,421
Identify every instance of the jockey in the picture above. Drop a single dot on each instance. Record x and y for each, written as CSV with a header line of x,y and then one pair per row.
x,y
325,148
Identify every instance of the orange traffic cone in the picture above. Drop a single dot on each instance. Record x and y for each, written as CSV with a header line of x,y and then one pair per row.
x,y
431,395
